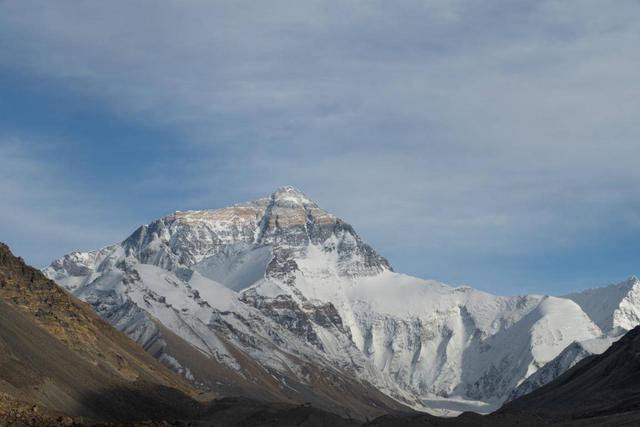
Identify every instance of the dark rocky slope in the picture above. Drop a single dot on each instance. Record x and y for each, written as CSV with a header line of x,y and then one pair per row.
x,y
55,352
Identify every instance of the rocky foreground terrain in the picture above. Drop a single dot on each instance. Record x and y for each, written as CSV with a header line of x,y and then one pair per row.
x,y
56,353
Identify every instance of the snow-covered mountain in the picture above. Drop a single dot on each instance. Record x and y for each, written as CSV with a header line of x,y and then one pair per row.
x,y
568,358
615,309
282,295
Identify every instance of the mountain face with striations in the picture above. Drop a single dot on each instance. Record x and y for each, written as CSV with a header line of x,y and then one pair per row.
x,y
601,390
278,298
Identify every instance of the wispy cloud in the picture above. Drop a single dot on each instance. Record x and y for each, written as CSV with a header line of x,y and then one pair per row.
x,y
444,128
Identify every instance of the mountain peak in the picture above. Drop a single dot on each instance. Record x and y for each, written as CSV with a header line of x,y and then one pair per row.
x,y
291,195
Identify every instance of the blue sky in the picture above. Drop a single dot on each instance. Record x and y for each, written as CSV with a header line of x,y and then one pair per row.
x,y
493,144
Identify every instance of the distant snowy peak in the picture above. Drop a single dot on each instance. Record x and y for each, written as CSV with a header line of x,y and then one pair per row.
x,y
612,308
569,357
78,265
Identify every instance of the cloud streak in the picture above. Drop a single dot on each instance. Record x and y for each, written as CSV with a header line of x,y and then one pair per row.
x,y
448,129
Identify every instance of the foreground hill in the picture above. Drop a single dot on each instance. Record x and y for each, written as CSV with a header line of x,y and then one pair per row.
x,y
57,353
289,297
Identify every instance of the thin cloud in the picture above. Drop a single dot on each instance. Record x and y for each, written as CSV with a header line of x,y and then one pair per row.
x,y
43,213
441,127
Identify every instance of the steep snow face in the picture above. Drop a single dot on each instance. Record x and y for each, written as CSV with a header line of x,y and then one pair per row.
x,y
238,266
615,308
568,358
289,285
